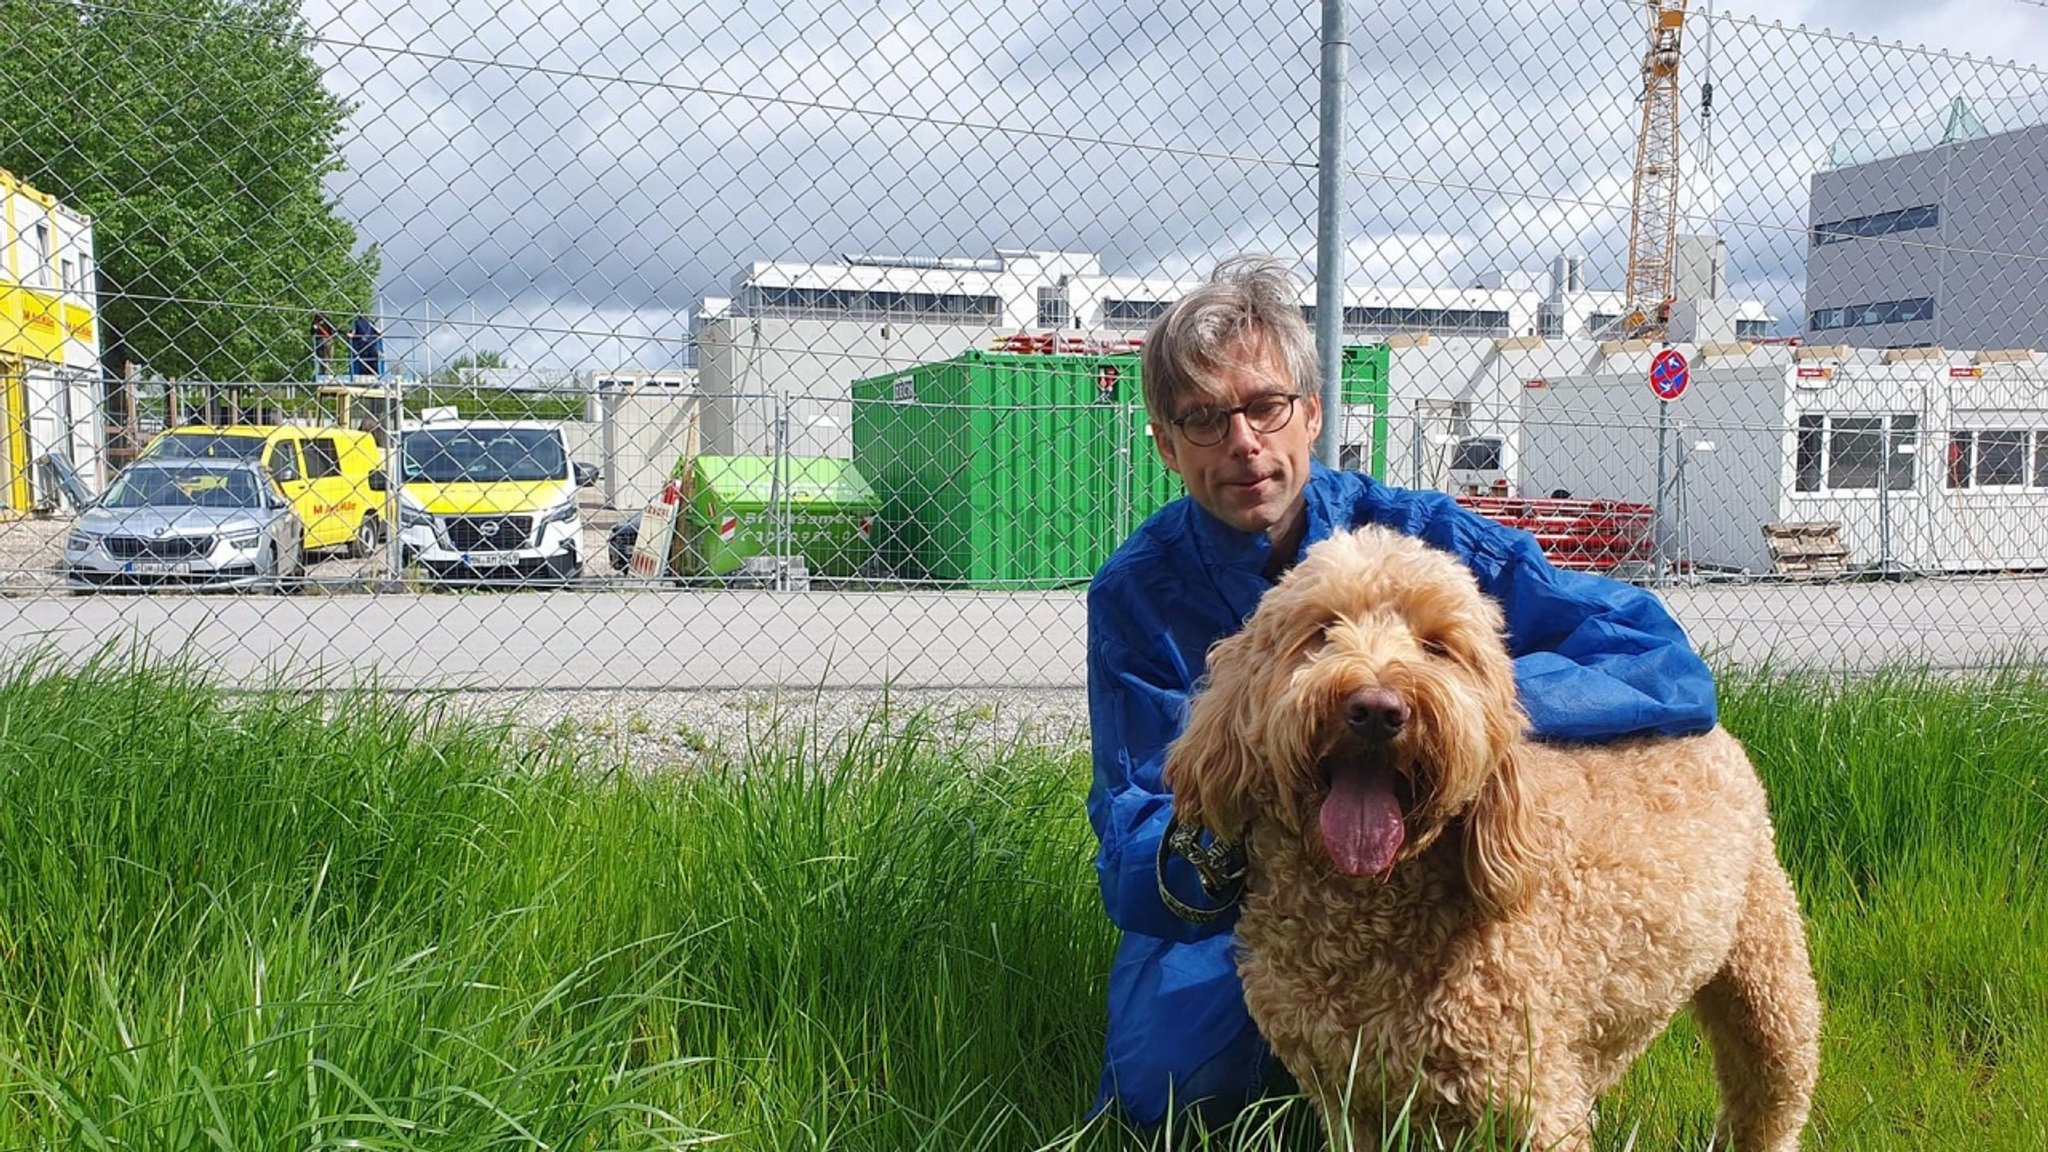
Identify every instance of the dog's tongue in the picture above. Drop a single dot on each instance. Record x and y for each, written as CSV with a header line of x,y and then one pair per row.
x,y
1361,819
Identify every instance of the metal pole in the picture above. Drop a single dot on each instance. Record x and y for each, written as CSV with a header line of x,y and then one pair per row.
x,y
1681,533
1329,233
1688,447
389,413
1884,502
1657,515
777,493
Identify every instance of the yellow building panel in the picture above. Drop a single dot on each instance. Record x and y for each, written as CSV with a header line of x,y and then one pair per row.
x,y
78,323
32,324
14,478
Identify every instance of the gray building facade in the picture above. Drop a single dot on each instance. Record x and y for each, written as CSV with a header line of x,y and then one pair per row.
x,y
1943,246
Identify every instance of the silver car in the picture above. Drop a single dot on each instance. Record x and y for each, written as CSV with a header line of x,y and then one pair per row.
x,y
194,523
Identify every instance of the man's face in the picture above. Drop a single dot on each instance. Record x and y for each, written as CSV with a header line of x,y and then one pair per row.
x,y
1250,480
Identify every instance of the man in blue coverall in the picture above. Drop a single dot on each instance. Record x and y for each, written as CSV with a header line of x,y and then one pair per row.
x,y
1231,389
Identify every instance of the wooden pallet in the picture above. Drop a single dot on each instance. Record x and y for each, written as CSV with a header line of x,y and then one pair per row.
x,y
1807,550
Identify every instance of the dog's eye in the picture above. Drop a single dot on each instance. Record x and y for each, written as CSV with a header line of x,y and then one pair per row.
x,y
1436,648
1318,640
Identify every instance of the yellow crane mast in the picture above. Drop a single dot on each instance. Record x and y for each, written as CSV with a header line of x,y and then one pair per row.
x,y
1653,215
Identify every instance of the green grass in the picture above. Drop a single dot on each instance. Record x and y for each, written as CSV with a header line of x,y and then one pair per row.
x,y
268,921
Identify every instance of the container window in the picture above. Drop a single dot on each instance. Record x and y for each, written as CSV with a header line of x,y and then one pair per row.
x,y
41,235
1855,446
1806,457
2001,458
1903,451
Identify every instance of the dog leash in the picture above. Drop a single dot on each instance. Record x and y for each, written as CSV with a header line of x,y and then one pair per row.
x,y
1220,865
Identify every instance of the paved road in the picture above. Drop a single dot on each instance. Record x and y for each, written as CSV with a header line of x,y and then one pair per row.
x,y
643,639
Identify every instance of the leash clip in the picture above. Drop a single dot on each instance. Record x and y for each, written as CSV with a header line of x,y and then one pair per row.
x,y
1220,865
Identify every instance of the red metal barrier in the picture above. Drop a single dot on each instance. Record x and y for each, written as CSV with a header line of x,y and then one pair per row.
x,y
1588,535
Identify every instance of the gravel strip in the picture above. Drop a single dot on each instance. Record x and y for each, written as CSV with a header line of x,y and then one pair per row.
x,y
31,548
656,731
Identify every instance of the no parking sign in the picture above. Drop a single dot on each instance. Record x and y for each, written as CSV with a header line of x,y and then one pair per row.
x,y
1669,374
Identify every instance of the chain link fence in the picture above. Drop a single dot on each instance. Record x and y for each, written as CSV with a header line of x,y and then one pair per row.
x,y
564,347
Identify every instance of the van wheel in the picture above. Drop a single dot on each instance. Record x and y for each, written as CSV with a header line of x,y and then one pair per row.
x,y
368,533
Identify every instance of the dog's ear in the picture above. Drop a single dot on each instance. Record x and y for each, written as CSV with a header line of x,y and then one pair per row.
x,y
1212,767
1500,839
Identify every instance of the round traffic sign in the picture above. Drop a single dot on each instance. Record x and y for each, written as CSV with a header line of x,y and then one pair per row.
x,y
1669,374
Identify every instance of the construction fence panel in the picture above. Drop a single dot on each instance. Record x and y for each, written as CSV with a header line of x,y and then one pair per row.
x,y
614,352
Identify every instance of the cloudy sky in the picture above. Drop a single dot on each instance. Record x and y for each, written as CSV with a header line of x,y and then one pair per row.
x,y
566,179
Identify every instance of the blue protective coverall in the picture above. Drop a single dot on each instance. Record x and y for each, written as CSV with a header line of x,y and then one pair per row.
x,y
1595,659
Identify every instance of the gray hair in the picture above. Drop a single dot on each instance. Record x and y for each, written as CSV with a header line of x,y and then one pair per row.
x,y
1250,303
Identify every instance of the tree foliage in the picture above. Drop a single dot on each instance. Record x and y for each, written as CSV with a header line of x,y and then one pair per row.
x,y
197,134
468,369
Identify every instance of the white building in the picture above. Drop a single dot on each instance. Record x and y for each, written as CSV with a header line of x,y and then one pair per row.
x,y
600,381
807,330
1556,306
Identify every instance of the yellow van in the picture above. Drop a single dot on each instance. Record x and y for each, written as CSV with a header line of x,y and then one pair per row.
x,y
323,471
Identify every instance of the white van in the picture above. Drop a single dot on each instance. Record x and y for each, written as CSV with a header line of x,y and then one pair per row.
x,y
491,500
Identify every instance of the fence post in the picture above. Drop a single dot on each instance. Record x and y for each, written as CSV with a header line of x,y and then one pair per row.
x,y
778,493
394,470
1659,529
1330,233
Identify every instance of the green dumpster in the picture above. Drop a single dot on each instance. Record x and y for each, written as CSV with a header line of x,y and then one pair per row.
x,y
823,507
1022,470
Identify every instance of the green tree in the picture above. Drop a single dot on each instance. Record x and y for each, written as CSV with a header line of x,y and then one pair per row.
x,y
197,134
467,370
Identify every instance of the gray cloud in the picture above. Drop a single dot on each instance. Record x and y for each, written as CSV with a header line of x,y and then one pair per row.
x,y
566,179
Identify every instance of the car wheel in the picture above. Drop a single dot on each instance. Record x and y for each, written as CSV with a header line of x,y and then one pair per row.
x,y
368,533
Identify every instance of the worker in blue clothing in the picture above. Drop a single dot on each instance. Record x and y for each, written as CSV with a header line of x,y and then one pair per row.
x,y
1230,380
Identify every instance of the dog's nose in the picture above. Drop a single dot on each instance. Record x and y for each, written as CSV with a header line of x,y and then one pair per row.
x,y
1375,713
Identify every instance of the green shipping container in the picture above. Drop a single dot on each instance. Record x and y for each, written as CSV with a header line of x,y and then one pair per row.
x,y
1366,369
1011,470
826,507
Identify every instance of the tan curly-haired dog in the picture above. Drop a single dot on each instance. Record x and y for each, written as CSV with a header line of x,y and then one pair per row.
x,y
1439,905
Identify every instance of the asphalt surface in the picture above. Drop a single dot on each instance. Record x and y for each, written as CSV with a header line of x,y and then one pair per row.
x,y
632,638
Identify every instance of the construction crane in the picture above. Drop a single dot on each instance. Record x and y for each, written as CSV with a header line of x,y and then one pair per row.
x,y
1653,215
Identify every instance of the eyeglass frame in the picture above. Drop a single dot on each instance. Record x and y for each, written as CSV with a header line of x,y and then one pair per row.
x,y
1293,399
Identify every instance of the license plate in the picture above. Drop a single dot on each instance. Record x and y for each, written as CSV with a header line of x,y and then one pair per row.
x,y
490,559
159,567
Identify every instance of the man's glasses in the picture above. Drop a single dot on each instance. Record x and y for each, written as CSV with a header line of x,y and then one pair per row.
x,y
1206,427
